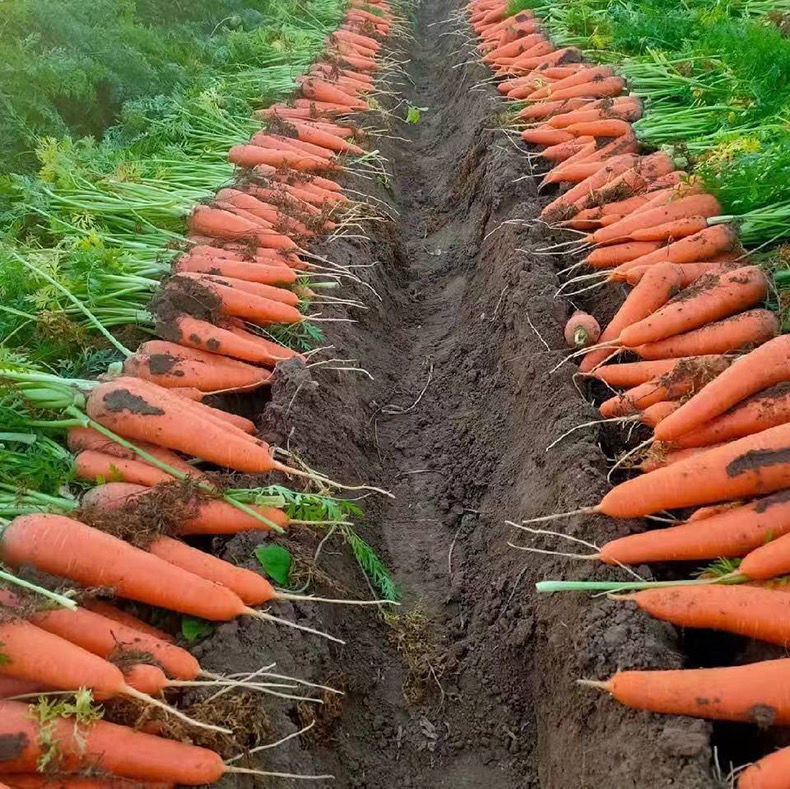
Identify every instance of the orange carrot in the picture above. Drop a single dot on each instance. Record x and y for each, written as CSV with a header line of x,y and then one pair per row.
x,y
655,289
169,364
615,166
212,516
701,246
606,127
770,772
632,373
732,532
582,77
753,693
252,588
763,367
749,466
225,225
692,205
740,332
749,611
545,136
70,549
768,408
625,108
610,86
109,611
97,467
231,342
711,298
689,272
618,254
106,638
684,377
83,438
137,410
271,292
105,746
252,272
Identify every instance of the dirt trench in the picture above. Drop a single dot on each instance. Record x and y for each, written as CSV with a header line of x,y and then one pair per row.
x,y
472,682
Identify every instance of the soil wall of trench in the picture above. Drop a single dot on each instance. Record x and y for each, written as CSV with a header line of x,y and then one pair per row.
x,y
472,682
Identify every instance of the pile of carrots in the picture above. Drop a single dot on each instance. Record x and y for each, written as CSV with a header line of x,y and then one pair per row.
x,y
147,426
706,371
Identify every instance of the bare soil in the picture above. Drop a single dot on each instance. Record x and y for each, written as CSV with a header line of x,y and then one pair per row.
x,y
471,683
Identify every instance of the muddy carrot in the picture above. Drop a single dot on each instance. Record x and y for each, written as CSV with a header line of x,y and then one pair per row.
x,y
753,693
763,367
733,532
581,330
96,467
711,298
655,289
737,333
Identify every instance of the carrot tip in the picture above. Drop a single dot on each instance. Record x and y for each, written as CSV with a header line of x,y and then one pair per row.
x,y
594,683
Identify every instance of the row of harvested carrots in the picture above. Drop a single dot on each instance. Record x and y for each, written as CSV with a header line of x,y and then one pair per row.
x,y
711,378
245,260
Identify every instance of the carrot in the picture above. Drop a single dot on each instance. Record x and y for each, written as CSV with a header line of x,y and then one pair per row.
x,y
711,298
97,467
211,516
770,772
333,142
767,561
547,109
105,638
105,746
250,271
324,91
581,330
749,466
11,686
513,48
109,611
657,412
246,305
225,225
753,693
669,231
632,373
749,611
168,364
601,88
574,172
655,289
236,343
615,166
684,377
606,127
70,549
624,109
254,155
585,76
766,366
545,136
768,408
701,246
33,654
47,781
83,438
733,532
146,412
271,292
702,513
566,151
618,254
689,272
692,205
252,588
739,332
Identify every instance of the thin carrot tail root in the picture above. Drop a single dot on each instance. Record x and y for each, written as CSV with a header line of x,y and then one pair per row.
x,y
278,620
145,698
312,599
594,683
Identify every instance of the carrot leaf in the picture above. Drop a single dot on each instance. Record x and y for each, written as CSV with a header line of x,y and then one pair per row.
x,y
276,562
194,629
